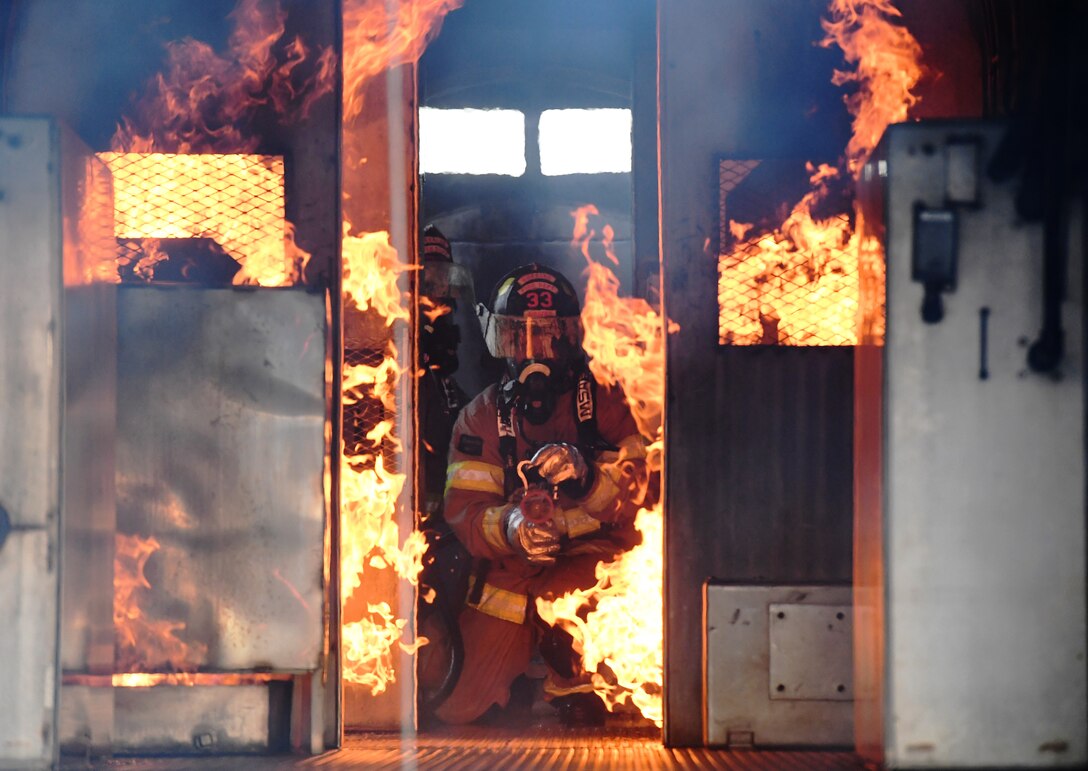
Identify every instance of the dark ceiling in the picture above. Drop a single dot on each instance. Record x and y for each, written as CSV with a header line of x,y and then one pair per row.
x,y
533,55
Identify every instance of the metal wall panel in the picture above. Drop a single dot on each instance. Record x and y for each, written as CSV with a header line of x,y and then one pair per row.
x,y
30,414
220,457
27,648
777,462
30,278
778,665
208,720
984,496
90,510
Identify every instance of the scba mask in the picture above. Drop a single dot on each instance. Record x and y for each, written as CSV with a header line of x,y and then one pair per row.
x,y
537,385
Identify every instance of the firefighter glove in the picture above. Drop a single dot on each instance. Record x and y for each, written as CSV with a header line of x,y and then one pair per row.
x,y
560,462
535,542
563,464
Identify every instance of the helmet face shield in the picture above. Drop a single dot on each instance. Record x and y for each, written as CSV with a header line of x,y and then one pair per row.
x,y
522,338
441,281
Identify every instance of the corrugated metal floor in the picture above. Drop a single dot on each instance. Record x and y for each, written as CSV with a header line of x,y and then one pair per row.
x,y
487,747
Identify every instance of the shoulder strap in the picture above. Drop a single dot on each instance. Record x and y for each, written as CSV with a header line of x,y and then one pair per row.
x,y
508,441
585,414
451,393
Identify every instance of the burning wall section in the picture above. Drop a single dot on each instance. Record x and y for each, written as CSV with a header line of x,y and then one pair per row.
x,y
796,283
236,200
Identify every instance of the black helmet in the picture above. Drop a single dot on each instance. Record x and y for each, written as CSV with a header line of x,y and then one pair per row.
x,y
534,324
534,314
443,280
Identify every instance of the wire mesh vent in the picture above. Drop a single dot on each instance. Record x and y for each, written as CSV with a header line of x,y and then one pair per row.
x,y
236,200
730,175
785,277
360,417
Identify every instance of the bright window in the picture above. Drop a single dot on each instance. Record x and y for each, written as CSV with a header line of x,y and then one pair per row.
x,y
585,141
471,141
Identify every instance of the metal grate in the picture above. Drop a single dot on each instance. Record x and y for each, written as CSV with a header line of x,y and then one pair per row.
x,y
237,200
781,285
361,416
730,175
529,747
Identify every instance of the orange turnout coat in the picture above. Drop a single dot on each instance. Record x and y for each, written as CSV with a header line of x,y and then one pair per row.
x,y
498,637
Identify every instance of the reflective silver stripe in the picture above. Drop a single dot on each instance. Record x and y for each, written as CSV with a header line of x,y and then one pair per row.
x,y
603,493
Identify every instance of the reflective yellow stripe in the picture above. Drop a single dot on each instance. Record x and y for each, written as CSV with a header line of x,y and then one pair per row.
x,y
603,493
493,529
474,475
577,523
500,603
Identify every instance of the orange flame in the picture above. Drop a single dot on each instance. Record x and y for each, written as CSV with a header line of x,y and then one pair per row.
x,y
376,36
379,35
167,181
152,679
207,102
370,273
143,644
794,286
432,310
620,637
798,285
370,494
887,58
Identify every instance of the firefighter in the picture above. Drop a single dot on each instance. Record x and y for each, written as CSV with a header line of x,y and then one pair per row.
x,y
445,291
547,425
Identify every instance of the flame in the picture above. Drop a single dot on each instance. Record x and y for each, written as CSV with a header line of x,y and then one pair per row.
x,y
888,67
617,624
794,286
370,273
370,494
620,638
151,679
152,255
143,644
376,37
432,310
208,102
379,35
184,163
798,285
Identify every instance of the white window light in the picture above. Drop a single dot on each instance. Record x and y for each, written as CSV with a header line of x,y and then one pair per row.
x,y
468,141
585,141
